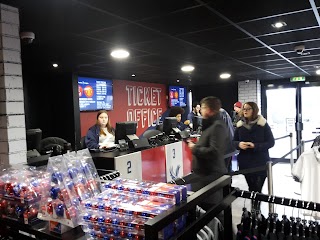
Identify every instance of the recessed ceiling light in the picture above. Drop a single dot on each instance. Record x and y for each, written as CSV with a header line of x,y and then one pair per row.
x,y
55,65
225,75
133,75
178,80
120,53
279,24
270,85
318,72
187,68
307,82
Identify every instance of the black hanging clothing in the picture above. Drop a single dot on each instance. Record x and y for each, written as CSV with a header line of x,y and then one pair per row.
x,y
316,142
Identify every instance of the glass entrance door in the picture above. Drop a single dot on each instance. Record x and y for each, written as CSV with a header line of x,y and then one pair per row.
x,y
310,113
281,116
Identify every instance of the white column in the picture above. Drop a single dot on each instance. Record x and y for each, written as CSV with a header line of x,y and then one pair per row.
x,y
12,118
250,91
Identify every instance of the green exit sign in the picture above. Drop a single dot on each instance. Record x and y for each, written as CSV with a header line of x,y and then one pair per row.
x,y
297,79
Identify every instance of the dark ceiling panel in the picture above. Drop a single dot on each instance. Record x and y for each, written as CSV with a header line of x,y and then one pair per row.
x,y
161,36
253,9
190,20
310,43
214,36
125,35
250,53
171,48
266,58
86,60
134,10
291,36
81,44
93,19
294,21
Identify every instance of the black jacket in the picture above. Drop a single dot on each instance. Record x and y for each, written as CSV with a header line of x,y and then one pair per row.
x,y
260,134
209,150
92,137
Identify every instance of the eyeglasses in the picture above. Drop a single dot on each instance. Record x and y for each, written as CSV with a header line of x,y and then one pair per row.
x,y
246,109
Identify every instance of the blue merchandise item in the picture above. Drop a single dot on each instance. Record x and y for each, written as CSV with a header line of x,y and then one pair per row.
x,y
59,210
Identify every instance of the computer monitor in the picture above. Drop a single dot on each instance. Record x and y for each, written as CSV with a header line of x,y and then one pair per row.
x,y
170,125
34,137
126,131
196,123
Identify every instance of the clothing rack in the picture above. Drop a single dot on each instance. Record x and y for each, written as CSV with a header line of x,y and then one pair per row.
x,y
154,225
308,205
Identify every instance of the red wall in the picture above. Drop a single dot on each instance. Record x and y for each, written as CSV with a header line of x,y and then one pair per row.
x,y
132,101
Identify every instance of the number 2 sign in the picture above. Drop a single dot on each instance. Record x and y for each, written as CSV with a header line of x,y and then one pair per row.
x,y
129,165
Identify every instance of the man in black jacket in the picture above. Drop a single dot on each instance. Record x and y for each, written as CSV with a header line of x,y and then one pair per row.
x,y
208,153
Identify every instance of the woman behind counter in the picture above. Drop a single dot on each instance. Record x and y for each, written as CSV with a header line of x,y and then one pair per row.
x,y
177,112
100,135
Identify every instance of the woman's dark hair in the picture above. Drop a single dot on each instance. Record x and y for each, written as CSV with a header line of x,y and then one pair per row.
x,y
194,104
109,128
174,111
255,110
211,102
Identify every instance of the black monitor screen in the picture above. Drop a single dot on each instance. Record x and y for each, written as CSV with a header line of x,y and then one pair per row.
x,y
169,123
123,129
196,123
34,137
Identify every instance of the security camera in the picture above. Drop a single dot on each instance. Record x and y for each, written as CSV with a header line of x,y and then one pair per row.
x,y
247,81
27,37
299,49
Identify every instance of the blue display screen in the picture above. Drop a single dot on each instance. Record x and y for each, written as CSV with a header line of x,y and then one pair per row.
x,y
177,96
95,94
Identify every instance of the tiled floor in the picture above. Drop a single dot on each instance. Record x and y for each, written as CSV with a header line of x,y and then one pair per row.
x,y
283,186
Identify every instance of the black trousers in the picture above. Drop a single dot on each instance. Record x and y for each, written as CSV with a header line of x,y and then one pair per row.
x,y
255,180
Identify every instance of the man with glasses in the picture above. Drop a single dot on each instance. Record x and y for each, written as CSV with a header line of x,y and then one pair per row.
x,y
208,153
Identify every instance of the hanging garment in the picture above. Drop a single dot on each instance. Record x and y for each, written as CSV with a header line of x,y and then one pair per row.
x,y
316,142
307,171
213,230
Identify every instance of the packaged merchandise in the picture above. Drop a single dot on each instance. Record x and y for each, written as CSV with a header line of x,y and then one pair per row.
x,y
162,192
72,178
122,209
20,193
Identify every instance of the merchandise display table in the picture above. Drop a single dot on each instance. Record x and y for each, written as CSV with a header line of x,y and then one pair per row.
x,y
158,164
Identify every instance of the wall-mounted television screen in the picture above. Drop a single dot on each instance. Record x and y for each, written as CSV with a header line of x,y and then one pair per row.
x,y
95,94
177,96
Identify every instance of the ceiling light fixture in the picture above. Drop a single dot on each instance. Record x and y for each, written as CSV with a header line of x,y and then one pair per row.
x,y
187,68
225,75
178,80
55,65
271,85
120,53
318,72
278,24
133,75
